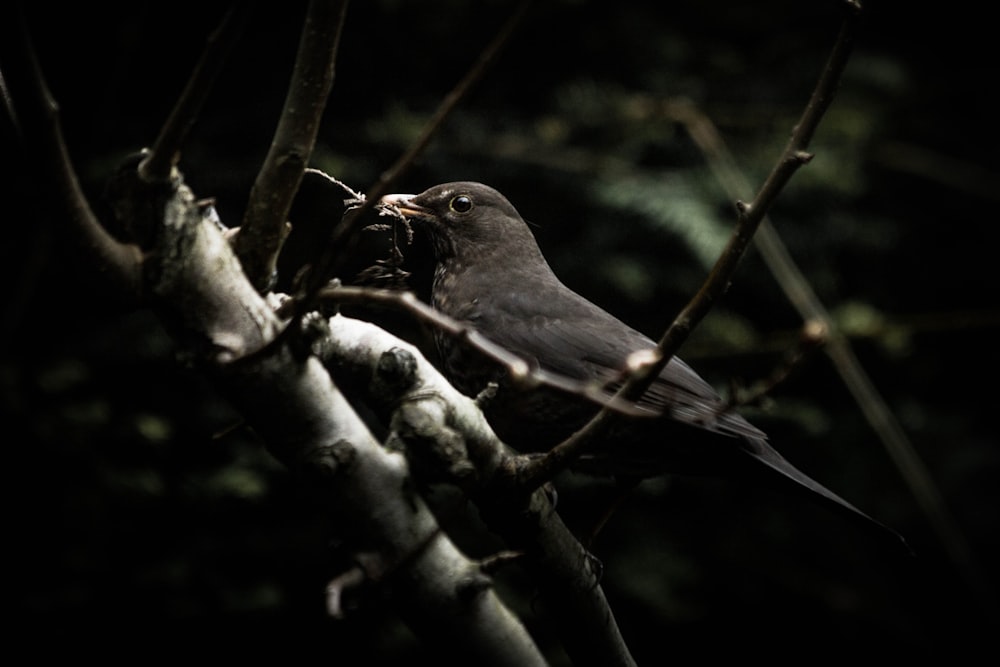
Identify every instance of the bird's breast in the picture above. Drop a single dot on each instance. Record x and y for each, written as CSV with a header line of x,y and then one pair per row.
x,y
442,288
456,294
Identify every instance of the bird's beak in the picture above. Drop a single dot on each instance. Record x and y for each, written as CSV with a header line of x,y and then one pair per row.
x,y
403,204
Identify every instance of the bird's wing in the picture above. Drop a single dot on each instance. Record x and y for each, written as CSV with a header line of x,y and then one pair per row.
x,y
578,339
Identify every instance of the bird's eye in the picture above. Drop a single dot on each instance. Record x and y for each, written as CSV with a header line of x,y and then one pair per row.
x,y
460,204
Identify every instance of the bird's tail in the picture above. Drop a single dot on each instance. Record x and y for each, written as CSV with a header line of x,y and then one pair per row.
x,y
796,481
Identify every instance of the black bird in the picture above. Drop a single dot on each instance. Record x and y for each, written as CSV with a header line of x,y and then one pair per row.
x,y
491,275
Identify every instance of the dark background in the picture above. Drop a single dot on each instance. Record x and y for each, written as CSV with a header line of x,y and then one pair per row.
x,y
128,517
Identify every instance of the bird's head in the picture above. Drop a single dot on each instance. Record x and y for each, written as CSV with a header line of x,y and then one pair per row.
x,y
464,217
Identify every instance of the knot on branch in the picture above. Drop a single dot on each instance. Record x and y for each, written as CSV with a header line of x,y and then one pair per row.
x,y
322,464
484,397
801,157
314,336
434,449
394,373
360,586
138,203
345,592
472,585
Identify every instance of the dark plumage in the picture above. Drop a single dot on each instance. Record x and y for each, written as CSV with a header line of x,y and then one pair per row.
x,y
491,275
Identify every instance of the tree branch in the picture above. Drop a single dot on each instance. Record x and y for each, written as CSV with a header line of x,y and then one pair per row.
x,y
35,114
523,375
445,431
344,237
264,226
749,217
289,399
166,150
838,348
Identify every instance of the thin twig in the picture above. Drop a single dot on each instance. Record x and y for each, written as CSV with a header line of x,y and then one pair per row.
x,y
518,370
812,337
165,153
264,223
838,348
343,238
457,94
37,113
750,215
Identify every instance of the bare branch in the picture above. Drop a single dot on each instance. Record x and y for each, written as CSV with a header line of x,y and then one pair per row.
x,y
838,348
448,104
264,223
36,115
749,217
812,337
166,151
344,237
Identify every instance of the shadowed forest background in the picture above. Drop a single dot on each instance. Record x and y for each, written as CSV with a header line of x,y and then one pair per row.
x,y
131,514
